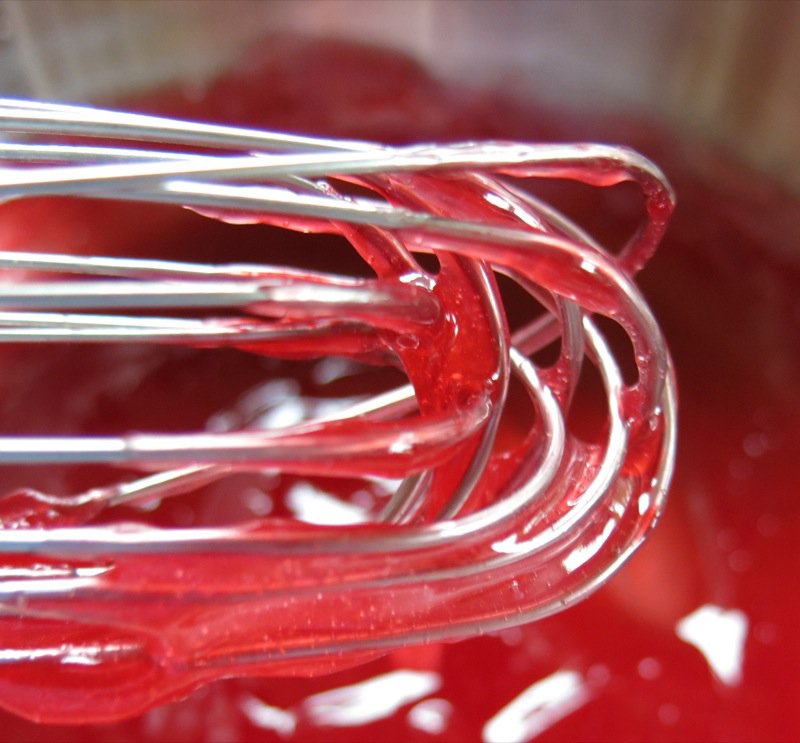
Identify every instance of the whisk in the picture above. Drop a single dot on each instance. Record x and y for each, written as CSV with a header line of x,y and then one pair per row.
x,y
111,617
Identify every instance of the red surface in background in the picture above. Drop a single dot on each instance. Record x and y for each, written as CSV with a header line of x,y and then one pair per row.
x,y
726,288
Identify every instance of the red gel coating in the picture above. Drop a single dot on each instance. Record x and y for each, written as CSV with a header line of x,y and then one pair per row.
x,y
726,296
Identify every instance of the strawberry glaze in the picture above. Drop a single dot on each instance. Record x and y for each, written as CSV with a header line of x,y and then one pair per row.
x,y
725,289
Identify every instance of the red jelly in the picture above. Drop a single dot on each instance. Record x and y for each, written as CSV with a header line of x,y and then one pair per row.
x,y
693,640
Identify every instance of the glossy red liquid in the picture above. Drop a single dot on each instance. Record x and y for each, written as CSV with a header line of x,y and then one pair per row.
x,y
727,297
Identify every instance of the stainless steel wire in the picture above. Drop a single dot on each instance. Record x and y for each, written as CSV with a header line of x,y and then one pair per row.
x,y
538,517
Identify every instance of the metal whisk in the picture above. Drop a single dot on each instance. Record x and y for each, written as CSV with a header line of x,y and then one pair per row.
x,y
456,550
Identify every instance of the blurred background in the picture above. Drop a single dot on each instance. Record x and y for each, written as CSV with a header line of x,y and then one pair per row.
x,y
696,638
725,68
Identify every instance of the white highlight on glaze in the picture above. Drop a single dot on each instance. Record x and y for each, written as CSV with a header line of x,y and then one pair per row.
x,y
524,215
288,412
314,506
371,700
267,717
649,668
430,715
719,634
538,708
330,369
585,552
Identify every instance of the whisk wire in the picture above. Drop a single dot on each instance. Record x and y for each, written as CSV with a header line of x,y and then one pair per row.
x,y
565,516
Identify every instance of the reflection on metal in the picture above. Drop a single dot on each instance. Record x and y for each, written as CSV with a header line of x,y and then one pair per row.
x,y
719,634
538,708
68,653
585,552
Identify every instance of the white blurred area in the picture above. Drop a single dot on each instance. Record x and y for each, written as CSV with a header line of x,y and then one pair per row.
x,y
728,68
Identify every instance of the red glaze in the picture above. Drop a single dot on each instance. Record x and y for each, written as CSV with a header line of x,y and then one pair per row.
x,y
724,287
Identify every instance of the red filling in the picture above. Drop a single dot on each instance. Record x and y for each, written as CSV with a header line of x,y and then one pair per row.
x,y
724,286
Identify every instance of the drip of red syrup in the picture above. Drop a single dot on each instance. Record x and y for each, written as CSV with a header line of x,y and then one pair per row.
x,y
636,661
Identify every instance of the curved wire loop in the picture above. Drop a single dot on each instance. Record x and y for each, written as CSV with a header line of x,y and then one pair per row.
x,y
457,549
